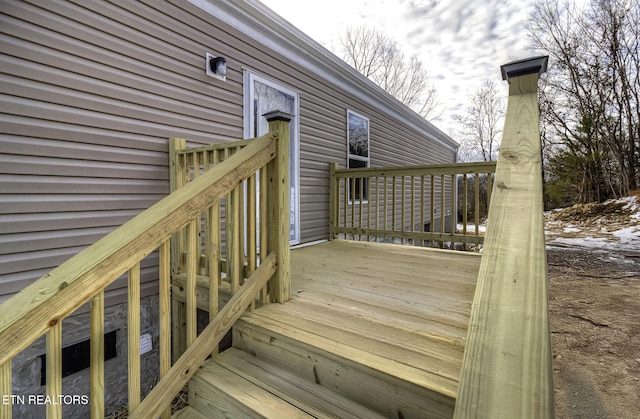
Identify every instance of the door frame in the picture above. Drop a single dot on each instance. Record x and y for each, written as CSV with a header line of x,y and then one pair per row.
x,y
249,77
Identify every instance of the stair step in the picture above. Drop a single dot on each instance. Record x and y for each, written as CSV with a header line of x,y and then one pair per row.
x,y
390,387
188,412
237,384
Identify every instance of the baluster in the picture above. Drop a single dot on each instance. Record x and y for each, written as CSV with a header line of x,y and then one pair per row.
x,y
164,255
242,213
251,227
5,388
403,209
213,253
377,216
442,211
422,198
242,220
212,231
54,370
193,255
393,206
346,204
196,174
489,189
133,321
352,193
432,218
183,246
233,240
477,204
264,212
196,165
465,207
386,206
96,357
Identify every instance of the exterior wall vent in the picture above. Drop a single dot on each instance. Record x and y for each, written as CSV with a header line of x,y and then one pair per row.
x,y
76,357
216,66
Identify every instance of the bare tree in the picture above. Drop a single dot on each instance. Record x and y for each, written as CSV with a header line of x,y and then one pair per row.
x,y
480,127
590,96
380,59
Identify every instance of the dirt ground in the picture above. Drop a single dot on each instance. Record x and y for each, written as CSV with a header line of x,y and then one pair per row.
x,y
595,333
594,297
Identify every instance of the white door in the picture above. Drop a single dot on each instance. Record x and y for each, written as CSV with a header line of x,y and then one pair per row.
x,y
262,95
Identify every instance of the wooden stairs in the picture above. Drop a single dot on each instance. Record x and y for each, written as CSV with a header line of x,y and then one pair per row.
x,y
237,384
275,372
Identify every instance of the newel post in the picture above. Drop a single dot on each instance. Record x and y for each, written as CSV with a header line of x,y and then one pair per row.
x,y
278,222
507,367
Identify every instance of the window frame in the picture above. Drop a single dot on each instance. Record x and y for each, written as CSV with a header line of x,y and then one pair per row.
x,y
350,156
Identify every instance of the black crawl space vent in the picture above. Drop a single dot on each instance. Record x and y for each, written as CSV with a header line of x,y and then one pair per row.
x,y
76,357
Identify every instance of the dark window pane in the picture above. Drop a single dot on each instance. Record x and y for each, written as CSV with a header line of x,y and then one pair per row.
x,y
360,189
357,164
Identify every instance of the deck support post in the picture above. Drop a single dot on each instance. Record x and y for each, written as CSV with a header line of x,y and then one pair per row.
x,y
507,367
278,223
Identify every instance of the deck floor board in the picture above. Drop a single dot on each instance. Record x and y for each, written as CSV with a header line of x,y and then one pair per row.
x,y
393,304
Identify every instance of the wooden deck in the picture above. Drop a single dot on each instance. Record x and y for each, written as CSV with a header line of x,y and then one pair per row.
x,y
399,310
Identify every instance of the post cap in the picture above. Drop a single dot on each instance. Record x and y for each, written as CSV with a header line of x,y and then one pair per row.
x,y
278,116
523,67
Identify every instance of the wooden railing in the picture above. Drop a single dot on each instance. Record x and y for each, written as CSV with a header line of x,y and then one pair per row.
x,y
221,268
420,205
41,307
507,367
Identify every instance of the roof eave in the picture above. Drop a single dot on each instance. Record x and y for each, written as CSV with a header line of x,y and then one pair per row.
x,y
267,27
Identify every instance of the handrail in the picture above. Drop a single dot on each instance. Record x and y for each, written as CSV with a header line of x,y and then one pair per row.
x,y
40,306
415,204
418,170
215,147
507,366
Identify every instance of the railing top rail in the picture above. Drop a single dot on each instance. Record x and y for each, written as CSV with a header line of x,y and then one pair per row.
x,y
433,169
41,305
213,147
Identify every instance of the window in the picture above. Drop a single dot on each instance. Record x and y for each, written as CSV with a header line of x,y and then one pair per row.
x,y
357,152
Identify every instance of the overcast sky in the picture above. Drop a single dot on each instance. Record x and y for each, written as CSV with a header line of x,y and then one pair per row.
x,y
460,42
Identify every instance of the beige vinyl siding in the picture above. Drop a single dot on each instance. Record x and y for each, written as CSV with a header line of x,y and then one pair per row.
x,y
91,92
88,105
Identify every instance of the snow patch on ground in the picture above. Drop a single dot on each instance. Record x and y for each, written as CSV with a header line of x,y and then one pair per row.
x,y
614,224
571,229
595,242
471,228
629,235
